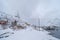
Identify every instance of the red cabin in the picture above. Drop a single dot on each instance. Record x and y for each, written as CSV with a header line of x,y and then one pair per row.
x,y
2,22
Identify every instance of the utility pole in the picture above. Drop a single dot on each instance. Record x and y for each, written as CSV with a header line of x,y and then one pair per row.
x,y
39,23
17,15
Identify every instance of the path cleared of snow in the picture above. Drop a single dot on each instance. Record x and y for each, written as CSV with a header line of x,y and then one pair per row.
x,y
29,34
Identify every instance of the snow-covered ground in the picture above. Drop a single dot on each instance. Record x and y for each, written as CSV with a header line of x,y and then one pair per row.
x,y
29,34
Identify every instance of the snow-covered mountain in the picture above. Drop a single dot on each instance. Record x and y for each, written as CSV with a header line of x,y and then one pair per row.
x,y
47,10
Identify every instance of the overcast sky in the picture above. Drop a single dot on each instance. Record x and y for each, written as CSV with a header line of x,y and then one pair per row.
x,y
28,9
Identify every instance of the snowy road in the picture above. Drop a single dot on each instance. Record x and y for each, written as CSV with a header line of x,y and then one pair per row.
x,y
30,34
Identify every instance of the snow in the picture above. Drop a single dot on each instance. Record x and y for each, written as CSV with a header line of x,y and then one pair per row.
x,y
30,10
28,34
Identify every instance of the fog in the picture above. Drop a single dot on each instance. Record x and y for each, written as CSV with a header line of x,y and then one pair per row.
x,y
48,11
